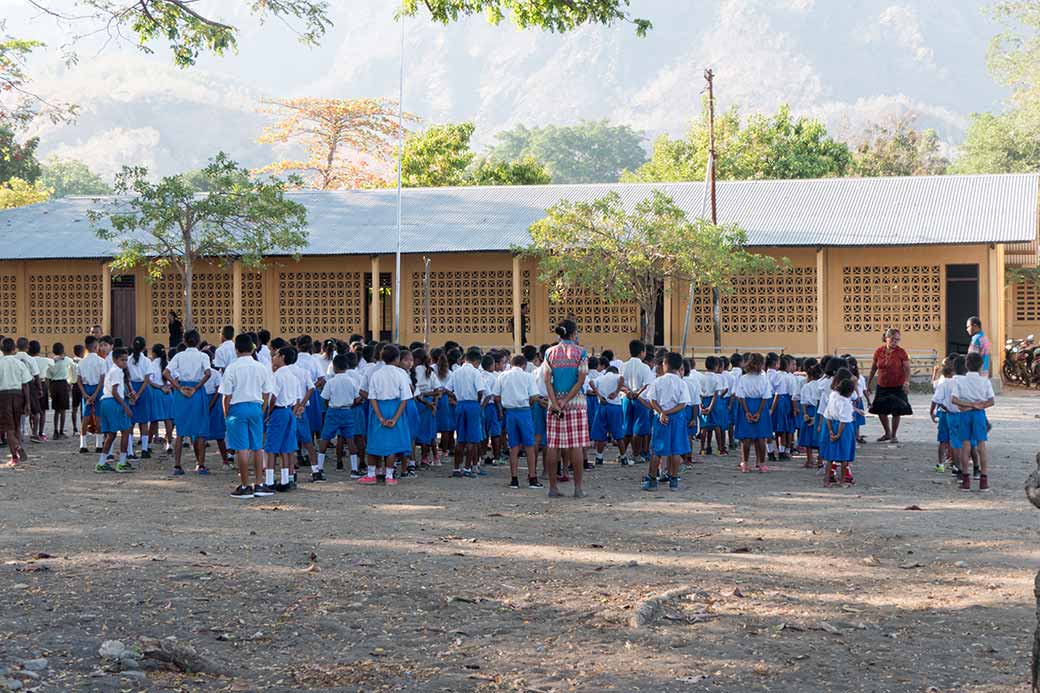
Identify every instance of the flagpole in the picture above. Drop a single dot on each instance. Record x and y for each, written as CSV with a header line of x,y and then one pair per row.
x,y
400,158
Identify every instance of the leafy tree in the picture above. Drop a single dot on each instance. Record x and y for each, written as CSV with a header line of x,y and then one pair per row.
x,y
1001,143
899,150
553,15
18,193
18,160
339,136
438,156
189,29
766,147
169,224
603,248
590,152
72,177
524,171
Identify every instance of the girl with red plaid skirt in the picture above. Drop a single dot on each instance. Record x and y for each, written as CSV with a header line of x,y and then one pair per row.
x,y
565,368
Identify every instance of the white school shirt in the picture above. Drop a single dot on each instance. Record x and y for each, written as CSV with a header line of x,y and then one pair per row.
x,y
387,383
139,371
113,379
489,378
246,380
669,390
607,384
13,373
838,408
796,386
303,378
944,393
530,368
722,383
406,378
861,388
263,355
225,354
808,393
368,371
618,364
590,379
43,364
324,363
707,384
636,374
155,374
308,364
29,361
694,383
753,385
972,387
288,390
190,365
467,383
823,391
92,369
213,384
777,381
516,388
426,380
340,391
539,381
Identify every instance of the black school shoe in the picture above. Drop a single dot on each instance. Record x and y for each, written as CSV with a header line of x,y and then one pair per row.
x,y
262,490
318,477
243,492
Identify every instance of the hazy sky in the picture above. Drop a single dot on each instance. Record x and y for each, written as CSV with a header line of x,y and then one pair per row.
x,y
848,62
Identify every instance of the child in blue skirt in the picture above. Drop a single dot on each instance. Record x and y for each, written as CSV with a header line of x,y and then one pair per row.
x,y
807,399
411,413
492,443
188,372
140,367
217,425
116,415
162,399
426,399
754,428
781,411
840,440
389,390
669,439
280,440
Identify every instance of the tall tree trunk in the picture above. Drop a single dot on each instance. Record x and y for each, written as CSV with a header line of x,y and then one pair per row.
x,y
716,317
188,276
648,306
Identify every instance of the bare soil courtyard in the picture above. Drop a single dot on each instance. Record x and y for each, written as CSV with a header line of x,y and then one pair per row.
x,y
440,584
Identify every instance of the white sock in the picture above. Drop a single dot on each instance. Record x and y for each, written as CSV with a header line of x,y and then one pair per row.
x,y
97,440
101,458
122,458
130,444
83,441
783,449
285,476
321,461
269,477
390,471
353,463
770,447
599,455
144,442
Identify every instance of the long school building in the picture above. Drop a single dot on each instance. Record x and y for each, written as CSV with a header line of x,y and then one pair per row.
x,y
921,254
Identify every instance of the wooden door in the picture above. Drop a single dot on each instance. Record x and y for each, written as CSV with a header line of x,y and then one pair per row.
x,y
124,309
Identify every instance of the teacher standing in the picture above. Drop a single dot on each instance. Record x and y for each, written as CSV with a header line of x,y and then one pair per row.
x,y
892,368
565,368
175,329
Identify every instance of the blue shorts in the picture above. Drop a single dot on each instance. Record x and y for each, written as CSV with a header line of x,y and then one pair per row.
x,y
492,424
88,410
520,427
637,419
314,410
969,427
245,426
538,418
426,433
217,425
610,421
338,422
670,438
445,415
693,421
303,430
113,418
280,436
468,425
943,433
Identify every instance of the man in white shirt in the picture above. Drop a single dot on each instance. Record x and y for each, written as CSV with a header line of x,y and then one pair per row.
x,y
227,350
246,387
513,392
972,395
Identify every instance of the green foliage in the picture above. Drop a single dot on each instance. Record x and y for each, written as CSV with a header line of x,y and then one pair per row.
x,y
168,223
13,55
615,254
18,193
1012,55
18,160
72,177
437,156
766,147
899,150
552,15
999,143
526,170
1022,275
590,152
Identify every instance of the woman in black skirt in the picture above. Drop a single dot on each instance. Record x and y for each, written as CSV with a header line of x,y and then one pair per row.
x,y
892,368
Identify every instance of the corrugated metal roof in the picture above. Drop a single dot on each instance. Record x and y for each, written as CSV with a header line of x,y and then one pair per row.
x,y
827,212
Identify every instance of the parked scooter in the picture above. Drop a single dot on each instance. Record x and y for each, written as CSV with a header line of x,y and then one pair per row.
x,y
1021,362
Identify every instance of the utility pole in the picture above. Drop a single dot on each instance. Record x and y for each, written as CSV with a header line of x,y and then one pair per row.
x,y
716,298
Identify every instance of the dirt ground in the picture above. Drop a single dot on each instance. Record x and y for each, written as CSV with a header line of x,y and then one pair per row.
x,y
447,584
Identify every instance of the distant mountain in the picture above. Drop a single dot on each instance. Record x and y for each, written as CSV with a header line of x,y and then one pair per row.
x,y
849,63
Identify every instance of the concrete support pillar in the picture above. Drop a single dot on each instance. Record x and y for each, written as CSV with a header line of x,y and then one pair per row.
x,y
236,295
517,301
666,329
995,329
374,312
106,298
22,322
822,261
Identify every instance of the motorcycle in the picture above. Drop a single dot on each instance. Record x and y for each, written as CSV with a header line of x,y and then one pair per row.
x,y
1021,365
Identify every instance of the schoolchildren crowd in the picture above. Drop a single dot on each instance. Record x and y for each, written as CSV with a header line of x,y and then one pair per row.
x,y
271,406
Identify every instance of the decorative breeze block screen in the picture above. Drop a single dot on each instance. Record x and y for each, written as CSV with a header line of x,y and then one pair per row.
x,y
1027,302
465,302
593,315
8,304
907,297
210,298
773,302
64,303
320,303
252,317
